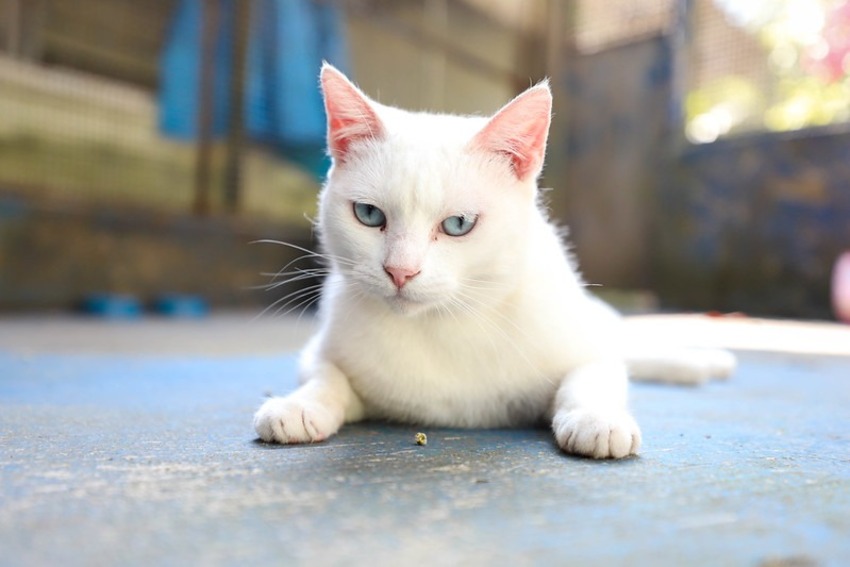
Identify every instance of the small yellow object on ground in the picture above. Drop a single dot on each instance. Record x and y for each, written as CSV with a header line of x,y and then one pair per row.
x,y
421,439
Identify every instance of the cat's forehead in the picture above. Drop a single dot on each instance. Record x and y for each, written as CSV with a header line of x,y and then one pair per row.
x,y
419,168
429,130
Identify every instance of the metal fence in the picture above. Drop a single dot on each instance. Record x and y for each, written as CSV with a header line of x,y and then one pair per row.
x,y
84,98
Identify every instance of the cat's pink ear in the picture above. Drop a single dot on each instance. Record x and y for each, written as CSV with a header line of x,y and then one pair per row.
x,y
350,114
519,131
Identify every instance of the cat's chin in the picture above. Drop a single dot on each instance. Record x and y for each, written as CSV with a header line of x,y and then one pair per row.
x,y
407,307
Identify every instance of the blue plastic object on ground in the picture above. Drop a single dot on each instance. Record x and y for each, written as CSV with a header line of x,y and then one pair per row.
x,y
112,305
181,305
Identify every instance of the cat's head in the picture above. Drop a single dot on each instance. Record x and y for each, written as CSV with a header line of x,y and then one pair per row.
x,y
429,212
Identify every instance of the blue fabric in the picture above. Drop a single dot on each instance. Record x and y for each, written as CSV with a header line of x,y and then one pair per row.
x,y
180,71
288,40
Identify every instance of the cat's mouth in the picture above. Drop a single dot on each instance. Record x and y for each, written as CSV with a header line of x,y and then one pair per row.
x,y
406,303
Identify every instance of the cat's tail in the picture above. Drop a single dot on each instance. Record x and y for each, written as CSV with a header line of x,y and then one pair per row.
x,y
680,365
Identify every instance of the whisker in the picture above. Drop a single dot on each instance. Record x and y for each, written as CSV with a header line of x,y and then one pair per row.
x,y
308,306
488,283
302,300
294,279
285,269
290,280
281,303
290,274
308,253
295,272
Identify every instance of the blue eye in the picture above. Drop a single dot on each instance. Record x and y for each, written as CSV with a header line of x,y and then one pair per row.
x,y
458,225
370,215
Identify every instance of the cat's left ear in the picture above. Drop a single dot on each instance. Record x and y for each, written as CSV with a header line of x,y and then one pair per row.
x,y
519,131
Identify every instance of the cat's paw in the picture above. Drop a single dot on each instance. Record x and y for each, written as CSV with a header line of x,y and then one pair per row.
x,y
598,435
288,420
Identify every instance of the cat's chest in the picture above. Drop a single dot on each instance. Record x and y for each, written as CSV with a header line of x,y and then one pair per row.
x,y
440,372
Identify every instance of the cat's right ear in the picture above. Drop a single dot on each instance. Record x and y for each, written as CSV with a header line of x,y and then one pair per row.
x,y
351,116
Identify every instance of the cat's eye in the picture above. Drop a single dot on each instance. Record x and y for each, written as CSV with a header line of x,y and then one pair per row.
x,y
458,225
369,215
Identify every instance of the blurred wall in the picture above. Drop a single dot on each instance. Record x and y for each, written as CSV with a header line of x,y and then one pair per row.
x,y
606,156
458,61
52,255
755,224
750,224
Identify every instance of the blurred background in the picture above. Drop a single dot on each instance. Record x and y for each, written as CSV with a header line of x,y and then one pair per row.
x,y
700,152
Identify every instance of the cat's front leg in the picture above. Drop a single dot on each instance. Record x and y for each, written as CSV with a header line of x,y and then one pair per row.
x,y
313,412
590,416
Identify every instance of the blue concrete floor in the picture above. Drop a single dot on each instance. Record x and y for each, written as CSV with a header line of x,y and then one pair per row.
x,y
141,460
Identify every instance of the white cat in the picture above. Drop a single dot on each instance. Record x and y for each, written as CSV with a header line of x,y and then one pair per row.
x,y
451,299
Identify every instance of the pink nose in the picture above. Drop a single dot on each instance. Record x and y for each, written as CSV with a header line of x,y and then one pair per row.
x,y
400,276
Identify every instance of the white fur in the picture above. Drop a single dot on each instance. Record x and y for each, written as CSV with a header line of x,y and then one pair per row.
x,y
496,328
682,366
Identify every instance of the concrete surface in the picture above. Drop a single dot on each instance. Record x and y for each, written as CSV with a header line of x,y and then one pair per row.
x,y
110,455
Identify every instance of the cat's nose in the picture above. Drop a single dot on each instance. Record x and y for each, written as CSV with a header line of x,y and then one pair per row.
x,y
400,275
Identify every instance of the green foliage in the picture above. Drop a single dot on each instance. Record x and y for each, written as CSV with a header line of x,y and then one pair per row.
x,y
799,59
